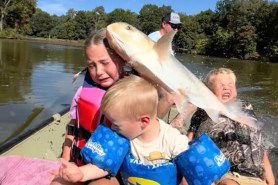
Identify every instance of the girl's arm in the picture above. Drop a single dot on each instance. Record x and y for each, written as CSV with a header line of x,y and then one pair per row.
x,y
72,173
268,173
68,143
91,172
67,147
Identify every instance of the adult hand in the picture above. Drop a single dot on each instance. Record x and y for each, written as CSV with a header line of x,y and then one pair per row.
x,y
179,121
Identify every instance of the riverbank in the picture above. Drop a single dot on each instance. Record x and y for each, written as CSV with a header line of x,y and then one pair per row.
x,y
80,43
76,43
64,42
256,57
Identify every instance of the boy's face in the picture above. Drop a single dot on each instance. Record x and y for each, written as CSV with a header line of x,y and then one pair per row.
x,y
223,86
124,126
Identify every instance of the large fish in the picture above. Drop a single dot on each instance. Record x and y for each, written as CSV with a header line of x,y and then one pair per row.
x,y
154,61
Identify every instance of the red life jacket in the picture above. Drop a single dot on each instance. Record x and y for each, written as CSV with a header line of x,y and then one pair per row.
x,y
88,117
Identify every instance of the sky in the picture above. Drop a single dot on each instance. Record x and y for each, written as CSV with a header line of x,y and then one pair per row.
x,y
189,7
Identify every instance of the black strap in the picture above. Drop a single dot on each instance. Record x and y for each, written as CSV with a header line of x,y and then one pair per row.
x,y
78,132
76,154
71,130
102,118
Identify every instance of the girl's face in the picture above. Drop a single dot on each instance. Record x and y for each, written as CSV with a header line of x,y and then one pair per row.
x,y
104,70
223,86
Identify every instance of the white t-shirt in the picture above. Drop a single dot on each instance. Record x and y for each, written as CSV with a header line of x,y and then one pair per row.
x,y
155,36
165,147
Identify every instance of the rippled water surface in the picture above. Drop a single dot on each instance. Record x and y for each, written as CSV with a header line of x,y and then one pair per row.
x,y
36,82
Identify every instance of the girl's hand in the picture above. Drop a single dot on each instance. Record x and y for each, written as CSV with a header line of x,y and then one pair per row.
x,y
70,172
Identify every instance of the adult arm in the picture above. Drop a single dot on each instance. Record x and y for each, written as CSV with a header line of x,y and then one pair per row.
x,y
179,121
268,173
166,100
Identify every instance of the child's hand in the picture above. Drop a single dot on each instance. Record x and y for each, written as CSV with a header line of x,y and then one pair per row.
x,y
70,172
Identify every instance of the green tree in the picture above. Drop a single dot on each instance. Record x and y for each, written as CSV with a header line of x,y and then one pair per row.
x,y
244,42
150,17
220,43
187,36
120,15
207,22
83,25
19,13
41,23
66,28
98,18
239,17
4,4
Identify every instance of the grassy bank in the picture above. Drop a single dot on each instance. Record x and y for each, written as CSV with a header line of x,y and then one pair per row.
x,y
10,34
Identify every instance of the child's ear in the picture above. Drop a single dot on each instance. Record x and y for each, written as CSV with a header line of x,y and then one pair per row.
x,y
145,121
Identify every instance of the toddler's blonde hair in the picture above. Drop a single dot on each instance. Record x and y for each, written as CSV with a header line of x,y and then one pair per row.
x,y
132,96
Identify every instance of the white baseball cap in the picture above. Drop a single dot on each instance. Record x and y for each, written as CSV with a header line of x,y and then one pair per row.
x,y
173,18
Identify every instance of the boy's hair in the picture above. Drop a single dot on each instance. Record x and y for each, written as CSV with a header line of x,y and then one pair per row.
x,y
214,72
133,96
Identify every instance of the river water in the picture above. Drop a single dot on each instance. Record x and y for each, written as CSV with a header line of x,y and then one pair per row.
x,y
36,82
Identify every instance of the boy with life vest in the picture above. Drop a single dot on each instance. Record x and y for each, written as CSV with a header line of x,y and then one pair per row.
x,y
243,146
131,106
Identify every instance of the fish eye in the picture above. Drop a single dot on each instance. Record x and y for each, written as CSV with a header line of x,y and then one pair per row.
x,y
128,28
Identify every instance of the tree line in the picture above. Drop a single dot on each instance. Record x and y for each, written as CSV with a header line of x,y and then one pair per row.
x,y
246,29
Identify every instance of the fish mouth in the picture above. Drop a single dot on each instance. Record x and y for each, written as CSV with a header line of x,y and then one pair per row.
x,y
117,45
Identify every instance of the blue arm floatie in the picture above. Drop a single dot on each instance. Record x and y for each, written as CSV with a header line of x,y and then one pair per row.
x,y
203,163
106,149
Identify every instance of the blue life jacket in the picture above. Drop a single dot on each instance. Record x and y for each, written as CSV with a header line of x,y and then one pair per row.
x,y
135,173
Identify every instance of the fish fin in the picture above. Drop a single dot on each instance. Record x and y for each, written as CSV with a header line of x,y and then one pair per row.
x,y
164,45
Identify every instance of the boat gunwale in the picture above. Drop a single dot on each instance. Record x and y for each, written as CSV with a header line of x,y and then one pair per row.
x,y
10,144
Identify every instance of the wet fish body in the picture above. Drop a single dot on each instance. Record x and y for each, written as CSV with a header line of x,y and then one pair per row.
x,y
154,61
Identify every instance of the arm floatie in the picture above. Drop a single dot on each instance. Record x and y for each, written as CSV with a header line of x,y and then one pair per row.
x,y
203,163
106,149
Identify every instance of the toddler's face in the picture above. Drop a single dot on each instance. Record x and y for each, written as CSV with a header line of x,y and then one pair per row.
x,y
223,86
124,126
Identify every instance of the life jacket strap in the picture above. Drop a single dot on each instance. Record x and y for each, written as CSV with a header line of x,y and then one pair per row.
x,y
78,132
